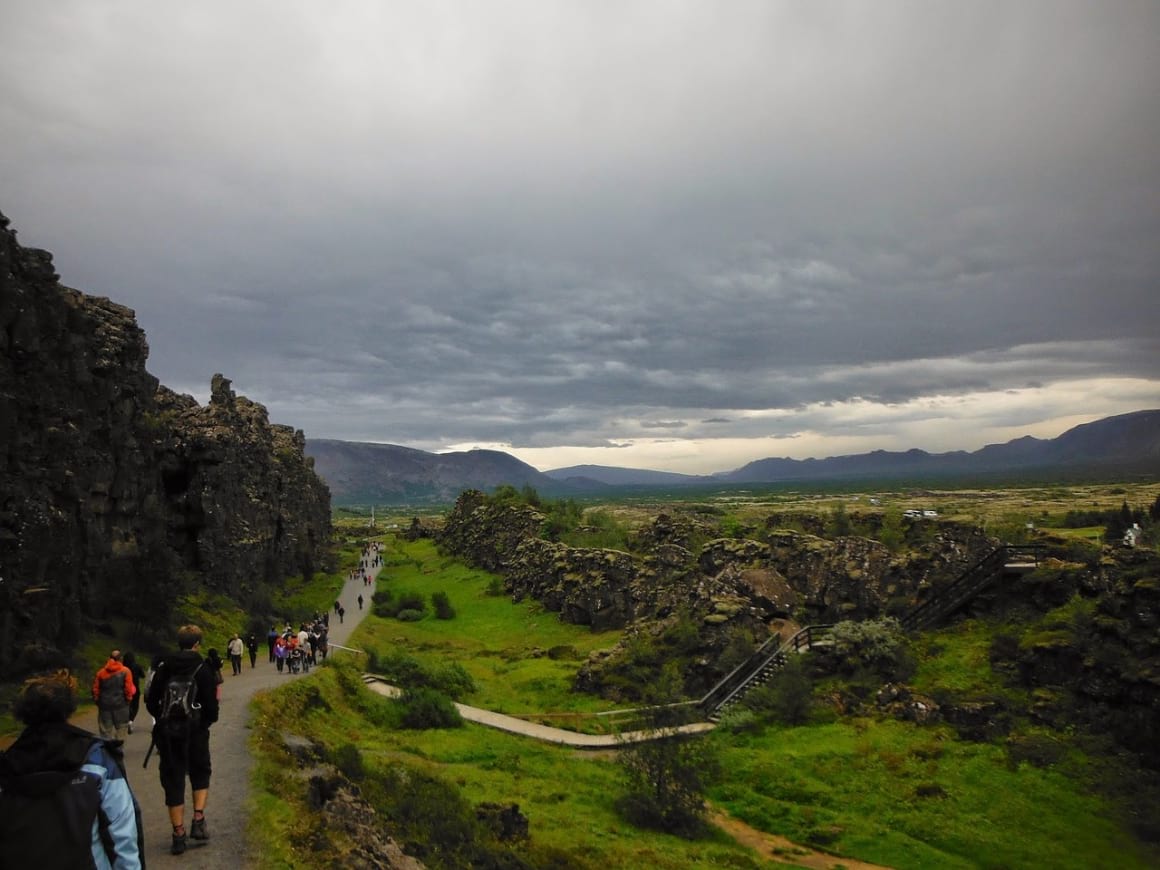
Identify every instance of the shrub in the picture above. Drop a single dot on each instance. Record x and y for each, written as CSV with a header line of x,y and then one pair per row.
x,y
874,646
409,615
453,680
787,698
441,604
412,601
427,708
495,587
349,760
666,781
408,673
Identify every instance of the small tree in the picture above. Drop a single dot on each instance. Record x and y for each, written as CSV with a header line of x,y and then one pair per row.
x,y
666,776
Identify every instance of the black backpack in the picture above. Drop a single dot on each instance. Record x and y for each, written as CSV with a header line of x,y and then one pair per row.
x,y
180,711
46,818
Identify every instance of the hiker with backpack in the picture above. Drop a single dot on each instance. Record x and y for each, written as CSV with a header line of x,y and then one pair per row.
x,y
113,690
64,798
183,699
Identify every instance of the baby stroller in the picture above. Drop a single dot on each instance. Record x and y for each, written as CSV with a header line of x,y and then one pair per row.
x,y
294,660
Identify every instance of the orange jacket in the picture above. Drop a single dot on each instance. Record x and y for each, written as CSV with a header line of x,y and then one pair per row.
x,y
111,668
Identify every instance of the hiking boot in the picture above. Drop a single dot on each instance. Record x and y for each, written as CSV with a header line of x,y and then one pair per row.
x,y
130,726
198,830
178,847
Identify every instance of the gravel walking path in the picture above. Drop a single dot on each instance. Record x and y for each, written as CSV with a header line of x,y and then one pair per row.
x,y
227,811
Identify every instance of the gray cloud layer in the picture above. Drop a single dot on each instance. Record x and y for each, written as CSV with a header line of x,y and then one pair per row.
x,y
572,224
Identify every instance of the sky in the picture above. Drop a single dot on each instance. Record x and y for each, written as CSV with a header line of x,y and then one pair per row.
x,y
669,235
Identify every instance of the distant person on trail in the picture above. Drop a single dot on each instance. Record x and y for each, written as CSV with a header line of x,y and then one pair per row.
x,y
271,637
64,797
280,653
341,614
360,602
337,605
252,649
138,673
113,689
234,650
184,750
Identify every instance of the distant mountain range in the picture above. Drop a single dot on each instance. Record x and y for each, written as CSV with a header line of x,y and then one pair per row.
x,y
361,473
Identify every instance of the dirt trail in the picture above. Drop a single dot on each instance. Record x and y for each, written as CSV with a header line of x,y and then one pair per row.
x,y
227,811
779,850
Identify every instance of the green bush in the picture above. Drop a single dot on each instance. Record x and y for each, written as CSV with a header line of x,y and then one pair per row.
x,y
412,601
427,708
441,604
495,587
787,698
409,615
408,673
348,759
453,680
386,605
874,648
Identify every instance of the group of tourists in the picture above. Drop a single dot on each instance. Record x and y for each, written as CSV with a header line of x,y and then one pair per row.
x,y
293,651
370,559
62,779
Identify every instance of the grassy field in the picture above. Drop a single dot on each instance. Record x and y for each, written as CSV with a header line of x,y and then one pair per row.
x,y
504,646
876,790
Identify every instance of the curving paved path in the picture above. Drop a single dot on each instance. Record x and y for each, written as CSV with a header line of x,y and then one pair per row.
x,y
227,811
547,733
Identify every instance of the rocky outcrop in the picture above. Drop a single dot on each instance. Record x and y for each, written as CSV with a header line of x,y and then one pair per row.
x,y
245,506
486,533
113,488
1101,667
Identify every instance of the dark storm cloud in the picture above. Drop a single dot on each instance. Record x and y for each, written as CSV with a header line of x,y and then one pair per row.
x,y
402,223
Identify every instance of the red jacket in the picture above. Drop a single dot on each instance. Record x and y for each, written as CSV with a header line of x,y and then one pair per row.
x,y
113,668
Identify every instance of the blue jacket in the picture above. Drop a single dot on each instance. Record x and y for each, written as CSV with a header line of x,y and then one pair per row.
x,y
116,839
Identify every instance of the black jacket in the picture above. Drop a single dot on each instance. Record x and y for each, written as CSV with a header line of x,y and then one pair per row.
x,y
179,664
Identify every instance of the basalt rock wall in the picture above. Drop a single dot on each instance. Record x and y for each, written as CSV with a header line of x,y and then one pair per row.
x,y
788,574
113,488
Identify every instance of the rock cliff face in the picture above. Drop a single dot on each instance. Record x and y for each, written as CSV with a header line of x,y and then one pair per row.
x,y
112,488
788,573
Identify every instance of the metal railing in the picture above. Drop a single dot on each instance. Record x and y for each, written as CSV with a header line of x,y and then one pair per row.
x,y
770,655
943,601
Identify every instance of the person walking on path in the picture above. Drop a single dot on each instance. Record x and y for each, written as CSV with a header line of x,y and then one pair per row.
x,y
341,613
234,649
113,689
138,672
271,636
280,653
233,767
360,602
252,649
185,754
98,823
